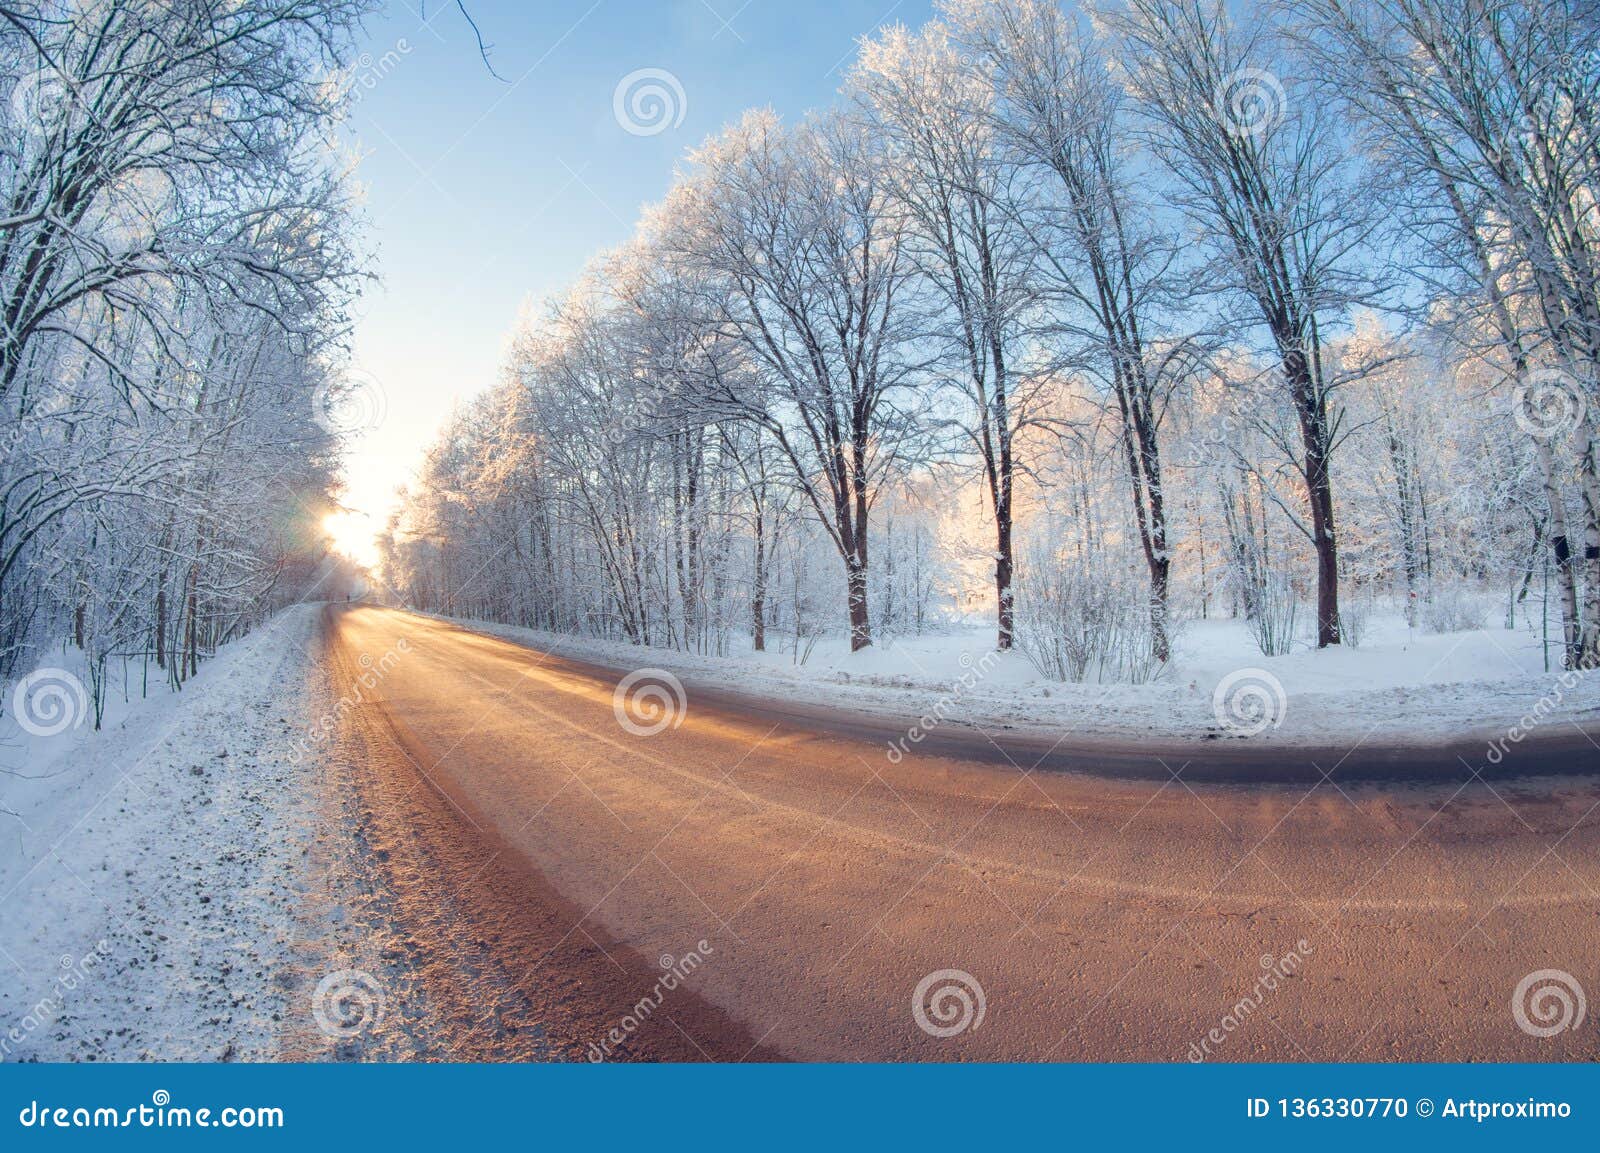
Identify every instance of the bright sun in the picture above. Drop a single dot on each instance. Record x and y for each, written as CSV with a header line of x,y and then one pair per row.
x,y
352,534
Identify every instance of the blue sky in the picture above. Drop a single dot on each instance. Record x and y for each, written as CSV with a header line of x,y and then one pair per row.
x,y
482,194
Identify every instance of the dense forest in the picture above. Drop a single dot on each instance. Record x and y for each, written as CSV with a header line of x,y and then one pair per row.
x,y
1094,321
176,265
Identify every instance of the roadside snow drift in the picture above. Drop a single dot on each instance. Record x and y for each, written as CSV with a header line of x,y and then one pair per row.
x,y
1402,686
149,871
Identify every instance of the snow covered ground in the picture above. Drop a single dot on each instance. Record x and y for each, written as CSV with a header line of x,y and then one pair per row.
x,y
156,876
1401,686
150,872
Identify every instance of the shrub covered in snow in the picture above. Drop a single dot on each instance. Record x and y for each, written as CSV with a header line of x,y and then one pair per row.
x,y
1451,609
1078,620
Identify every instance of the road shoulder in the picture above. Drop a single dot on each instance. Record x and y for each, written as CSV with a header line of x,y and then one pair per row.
x,y
151,874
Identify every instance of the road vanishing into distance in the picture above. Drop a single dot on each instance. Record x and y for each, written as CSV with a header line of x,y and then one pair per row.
x,y
548,870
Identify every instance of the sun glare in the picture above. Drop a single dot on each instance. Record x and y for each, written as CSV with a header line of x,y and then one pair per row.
x,y
351,533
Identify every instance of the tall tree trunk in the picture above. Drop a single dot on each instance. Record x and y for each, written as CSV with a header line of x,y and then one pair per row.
x,y
1160,614
161,622
860,624
758,594
1406,509
1561,546
855,509
1005,597
189,658
1589,638
1142,457
1312,408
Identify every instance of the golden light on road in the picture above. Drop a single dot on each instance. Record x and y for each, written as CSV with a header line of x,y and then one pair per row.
x,y
353,534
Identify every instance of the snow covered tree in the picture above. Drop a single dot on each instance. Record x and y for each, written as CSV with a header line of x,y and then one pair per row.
x,y
919,93
1271,188
793,234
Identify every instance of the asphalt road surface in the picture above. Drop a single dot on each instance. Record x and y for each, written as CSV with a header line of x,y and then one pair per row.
x,y
761,883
